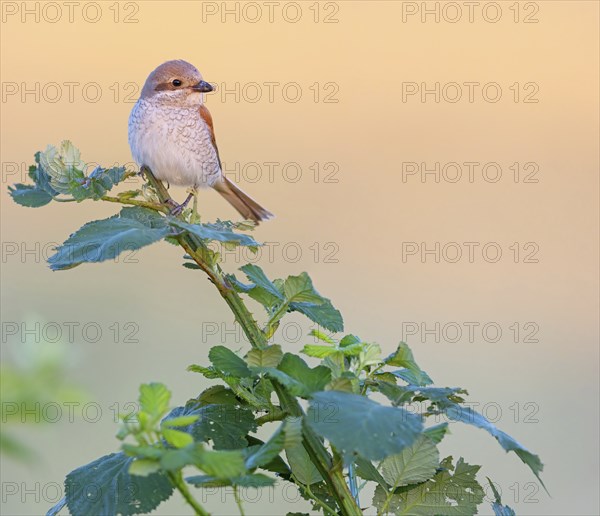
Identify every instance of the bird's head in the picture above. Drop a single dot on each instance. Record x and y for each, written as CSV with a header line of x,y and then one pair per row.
x,y
176,82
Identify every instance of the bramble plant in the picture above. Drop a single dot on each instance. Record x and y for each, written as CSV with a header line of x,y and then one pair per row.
x,y
342,442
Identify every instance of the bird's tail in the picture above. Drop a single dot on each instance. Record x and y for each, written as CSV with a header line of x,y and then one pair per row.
x,y
243,203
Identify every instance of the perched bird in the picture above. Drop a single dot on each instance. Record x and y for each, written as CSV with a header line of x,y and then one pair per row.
x,y
171,132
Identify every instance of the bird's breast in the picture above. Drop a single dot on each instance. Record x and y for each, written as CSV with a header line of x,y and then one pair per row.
x,y
174,142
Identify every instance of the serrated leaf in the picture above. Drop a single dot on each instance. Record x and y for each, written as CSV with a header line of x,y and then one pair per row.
x,y
469,416
267,357
218,395
367,471
497,507
256,275
403,357
177,438
214,231
456,494
369,355
302,467
324,314
299,289
413,378
105,239
226,425
228,362
416,463
314,378
29,195
356,424
64,167
154,399
437,432
105,486
319,351
322,336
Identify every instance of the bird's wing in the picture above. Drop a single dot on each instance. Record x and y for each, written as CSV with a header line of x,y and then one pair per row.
x,y
206,116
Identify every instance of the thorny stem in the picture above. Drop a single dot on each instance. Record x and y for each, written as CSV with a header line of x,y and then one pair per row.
x,y
331,473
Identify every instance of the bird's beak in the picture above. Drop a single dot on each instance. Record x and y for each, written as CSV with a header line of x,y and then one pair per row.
x,y
202,86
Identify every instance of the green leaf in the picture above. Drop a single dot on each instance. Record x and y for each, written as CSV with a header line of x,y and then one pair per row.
x,y
314,379
106,486
64,167
325,314
144,467
255,480
222,463
367,471
356,424
177,438
228,362
267,357
256,275
436,433
268,451
98,183
40,177
369,355
469,416
416,463
304,380
322,336
277,465
302,467
413,378
154,399
456,494
226,425
105,239
29,195
497,507
403,357
319,351
214,231
299,289
179,421
64,171
218,395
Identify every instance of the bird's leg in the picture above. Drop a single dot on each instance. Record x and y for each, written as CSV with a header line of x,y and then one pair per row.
x,y
178,208
195,214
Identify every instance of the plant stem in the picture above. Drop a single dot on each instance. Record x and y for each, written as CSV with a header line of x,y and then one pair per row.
x,y
182,487
333,475
236,495
136,202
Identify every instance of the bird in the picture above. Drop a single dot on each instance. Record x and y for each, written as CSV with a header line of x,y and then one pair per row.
x,y
171,132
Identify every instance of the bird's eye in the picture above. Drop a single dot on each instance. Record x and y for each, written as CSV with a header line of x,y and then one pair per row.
x,y
176,83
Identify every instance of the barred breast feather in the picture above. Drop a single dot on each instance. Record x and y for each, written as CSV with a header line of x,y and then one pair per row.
x,y
175,142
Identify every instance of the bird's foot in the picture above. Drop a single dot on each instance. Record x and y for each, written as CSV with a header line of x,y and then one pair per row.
x,y
177,209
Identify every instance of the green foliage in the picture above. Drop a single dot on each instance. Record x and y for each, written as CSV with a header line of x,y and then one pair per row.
x,y
209,441
452,491
34,373
357,425
498,508
106,239
106,486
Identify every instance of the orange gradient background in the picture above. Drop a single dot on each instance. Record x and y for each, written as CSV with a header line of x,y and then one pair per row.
x,y
358,224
